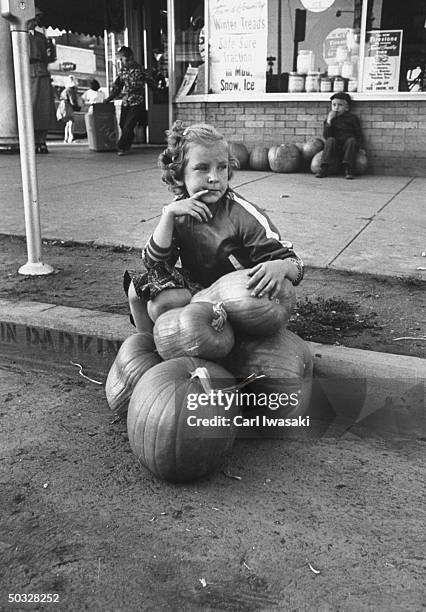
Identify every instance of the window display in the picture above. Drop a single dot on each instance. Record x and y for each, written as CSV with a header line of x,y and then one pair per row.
x,y
315,43
299,46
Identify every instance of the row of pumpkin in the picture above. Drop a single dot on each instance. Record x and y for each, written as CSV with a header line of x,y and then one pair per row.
x,y
287,158
224,338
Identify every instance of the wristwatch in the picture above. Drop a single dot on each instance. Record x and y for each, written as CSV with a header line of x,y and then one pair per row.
x,y
301,270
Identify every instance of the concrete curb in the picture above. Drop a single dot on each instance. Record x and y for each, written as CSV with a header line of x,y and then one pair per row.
x,y
355,384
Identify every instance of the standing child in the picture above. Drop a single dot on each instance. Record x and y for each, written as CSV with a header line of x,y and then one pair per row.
x,y
94,95
343,138
212,229
67,105
130,84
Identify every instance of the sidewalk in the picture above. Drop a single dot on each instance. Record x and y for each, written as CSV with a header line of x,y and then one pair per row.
x,y
373,224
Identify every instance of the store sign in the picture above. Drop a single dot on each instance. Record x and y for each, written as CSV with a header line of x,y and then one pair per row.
x,y
68,66
238,46
317,6
382,60
339,45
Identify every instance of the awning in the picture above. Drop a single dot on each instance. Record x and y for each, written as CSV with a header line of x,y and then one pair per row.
x,y
89,17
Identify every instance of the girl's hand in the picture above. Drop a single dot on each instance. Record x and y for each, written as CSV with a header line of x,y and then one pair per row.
x,y
267,278
190,206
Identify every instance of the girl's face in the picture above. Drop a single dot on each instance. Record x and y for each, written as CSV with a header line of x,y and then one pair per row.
x,y
206,168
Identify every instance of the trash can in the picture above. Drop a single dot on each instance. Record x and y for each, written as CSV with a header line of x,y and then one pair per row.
x,y
101,127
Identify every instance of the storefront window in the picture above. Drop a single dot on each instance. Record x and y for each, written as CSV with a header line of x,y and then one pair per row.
x,y
189,47
313,45
395,49
299,46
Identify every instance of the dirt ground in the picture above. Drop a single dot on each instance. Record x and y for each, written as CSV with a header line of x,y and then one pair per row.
x,y
325,524
359,311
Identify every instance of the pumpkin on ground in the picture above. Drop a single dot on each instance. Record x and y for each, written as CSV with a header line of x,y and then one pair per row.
x,y
286,362
311,148
163,409
257,316
271,155
136,356
259,158
240,152
285,159
316,164
196,330
361,164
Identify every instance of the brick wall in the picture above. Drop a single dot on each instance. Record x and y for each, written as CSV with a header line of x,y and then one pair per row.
x,y
395,132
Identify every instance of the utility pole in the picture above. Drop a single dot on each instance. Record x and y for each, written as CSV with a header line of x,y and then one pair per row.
x,y
18,13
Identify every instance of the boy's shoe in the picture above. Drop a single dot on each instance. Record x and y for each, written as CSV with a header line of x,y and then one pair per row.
x,y
348,174
322,172
122,152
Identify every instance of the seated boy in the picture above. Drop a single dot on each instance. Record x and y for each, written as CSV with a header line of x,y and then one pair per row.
x,y
343,138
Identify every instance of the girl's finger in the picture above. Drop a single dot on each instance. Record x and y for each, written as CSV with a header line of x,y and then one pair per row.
x,y
203,210
252,271
274,294
196,215
199,194
267,289
255,279
259,289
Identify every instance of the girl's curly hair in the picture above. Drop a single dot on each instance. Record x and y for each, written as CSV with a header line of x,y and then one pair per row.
x,y
173,159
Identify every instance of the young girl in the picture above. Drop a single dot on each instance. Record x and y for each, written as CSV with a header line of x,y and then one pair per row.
x,y
211,228
69,99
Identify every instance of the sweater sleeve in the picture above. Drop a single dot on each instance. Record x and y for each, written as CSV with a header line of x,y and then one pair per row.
x,y
327,130
260,239
153,254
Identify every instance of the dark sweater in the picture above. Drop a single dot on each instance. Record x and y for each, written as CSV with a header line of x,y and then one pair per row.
x,y
239,235
343,127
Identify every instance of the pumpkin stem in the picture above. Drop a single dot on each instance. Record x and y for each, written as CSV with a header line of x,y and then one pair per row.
x,y
204,377
220,316
251,378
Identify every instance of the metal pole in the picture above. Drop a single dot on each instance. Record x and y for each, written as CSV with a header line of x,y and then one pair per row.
x,y
21,63
106,59
171,49
362,45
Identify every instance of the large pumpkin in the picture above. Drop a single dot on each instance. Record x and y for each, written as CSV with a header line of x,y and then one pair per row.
x,y
361,164
161,420
311,148
196,330
136,356
271,155
257,316
259,158
239,151
287,365
285,159
316,164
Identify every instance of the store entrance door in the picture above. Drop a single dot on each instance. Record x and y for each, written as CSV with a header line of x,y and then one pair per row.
x,y
155,52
